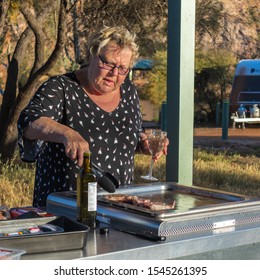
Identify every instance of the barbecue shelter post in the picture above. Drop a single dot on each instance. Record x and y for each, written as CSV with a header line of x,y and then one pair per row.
x,y
180,90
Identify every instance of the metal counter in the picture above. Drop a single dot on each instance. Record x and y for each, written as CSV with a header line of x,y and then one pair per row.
x,y
212,225
240,244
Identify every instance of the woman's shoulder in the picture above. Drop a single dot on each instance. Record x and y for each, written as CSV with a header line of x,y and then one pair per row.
x,y
64,78
58,84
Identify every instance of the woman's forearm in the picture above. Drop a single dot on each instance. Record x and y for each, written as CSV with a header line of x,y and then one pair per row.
x,y
47,129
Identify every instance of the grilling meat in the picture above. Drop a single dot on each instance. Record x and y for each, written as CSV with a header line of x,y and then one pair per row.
x,y
141,202
2,217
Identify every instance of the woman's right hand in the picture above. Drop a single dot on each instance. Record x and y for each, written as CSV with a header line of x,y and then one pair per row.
x,y
75,146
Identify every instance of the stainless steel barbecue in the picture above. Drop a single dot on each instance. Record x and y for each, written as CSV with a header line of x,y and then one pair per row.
x,y
198,210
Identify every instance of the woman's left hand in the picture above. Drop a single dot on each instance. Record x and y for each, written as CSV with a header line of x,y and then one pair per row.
x,y
164,149
145,146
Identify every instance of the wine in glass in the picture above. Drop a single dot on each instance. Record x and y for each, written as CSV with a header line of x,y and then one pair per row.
x,y
156,139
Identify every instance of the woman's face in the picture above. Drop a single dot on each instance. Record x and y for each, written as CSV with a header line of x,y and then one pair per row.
x,y
104,69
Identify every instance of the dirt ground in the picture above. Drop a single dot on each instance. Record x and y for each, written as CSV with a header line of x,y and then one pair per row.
x,y
237,134
243,141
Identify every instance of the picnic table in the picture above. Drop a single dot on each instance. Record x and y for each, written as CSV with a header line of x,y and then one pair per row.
x,y
243,121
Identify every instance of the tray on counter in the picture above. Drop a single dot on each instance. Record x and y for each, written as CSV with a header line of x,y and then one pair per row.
x,y
74,235
10,254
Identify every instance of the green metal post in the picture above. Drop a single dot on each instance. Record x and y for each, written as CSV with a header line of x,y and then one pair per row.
x,y
225,119
163,116
180,90
218,114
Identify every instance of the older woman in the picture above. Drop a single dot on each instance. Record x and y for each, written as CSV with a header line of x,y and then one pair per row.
x,y
95,108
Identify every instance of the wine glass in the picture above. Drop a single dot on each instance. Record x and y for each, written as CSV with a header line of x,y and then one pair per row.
x,y
156,139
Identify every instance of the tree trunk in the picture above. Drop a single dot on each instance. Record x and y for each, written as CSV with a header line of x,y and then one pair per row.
x,y
11,87
9,95
9,139
37,29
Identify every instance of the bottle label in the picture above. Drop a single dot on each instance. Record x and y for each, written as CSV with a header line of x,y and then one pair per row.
x,y
92,196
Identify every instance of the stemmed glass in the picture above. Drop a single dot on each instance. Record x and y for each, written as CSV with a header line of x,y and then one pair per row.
x,y
156,139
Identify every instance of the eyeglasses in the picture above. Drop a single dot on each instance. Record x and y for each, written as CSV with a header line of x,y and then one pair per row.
x,y
110,66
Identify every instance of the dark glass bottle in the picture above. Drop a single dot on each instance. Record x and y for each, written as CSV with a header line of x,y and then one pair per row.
x,y
87,194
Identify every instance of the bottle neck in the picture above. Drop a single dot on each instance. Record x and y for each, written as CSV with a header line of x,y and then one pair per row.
x,y
87,162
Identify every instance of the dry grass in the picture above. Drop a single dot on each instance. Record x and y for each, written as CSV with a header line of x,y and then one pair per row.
x,y
16,183
216,170
234,173
212,169
142,164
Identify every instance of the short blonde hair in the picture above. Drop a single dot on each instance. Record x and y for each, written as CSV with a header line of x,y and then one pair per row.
x,y
118,35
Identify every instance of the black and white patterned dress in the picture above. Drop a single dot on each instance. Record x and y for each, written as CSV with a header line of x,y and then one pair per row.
x,y
112,137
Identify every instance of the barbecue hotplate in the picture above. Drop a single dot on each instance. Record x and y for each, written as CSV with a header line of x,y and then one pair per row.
x,y
186,199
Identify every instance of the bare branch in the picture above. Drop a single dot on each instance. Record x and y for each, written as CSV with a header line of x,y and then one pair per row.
x,y
36,27
60,42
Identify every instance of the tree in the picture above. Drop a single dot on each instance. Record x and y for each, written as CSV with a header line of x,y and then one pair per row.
x,y
155,90
148,19
208,21
16,96
213,75
208,18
